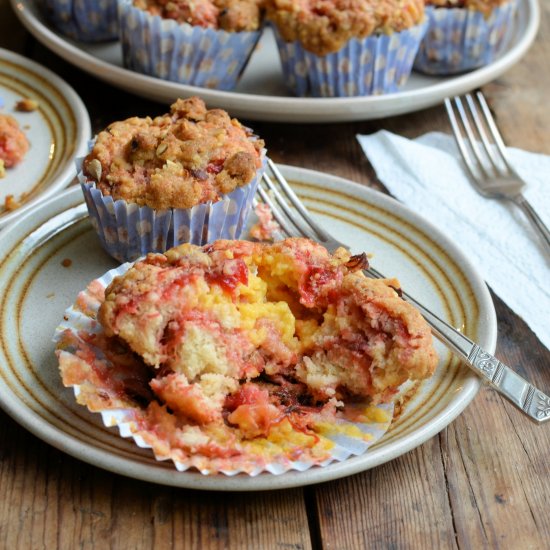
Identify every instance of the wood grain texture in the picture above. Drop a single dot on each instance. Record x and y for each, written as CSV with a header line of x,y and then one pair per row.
x,y
50,500
402,504
483,482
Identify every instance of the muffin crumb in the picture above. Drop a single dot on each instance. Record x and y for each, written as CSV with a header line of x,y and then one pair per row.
x,y
26,105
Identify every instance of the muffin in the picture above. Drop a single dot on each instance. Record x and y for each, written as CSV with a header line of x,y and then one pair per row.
x,y
85,20
198,42
334,48
187,176
464,34
241,352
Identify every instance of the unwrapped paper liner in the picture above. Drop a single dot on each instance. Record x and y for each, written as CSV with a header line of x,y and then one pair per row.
x,y
370,66
460,39
85,20
128,231
188,54
82,317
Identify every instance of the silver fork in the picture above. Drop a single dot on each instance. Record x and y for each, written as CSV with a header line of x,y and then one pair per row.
x,y
295,221
484,154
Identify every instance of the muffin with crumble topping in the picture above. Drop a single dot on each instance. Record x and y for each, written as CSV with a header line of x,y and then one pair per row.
x,y
236,354
334,48
198,42
187,176
464,34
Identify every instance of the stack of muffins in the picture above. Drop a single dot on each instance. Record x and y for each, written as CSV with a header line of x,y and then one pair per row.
x,y
328,48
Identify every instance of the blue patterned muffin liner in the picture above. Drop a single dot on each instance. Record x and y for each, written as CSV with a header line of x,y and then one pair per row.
x,y
183,53
460,40
85,20
128,231
369,66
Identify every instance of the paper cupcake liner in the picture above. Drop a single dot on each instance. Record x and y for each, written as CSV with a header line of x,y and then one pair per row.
x,y
85,20
369,66
183,53
346,438
128,231
459,39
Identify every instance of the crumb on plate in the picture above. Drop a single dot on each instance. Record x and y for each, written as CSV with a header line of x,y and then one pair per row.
x,y
11,203
26,105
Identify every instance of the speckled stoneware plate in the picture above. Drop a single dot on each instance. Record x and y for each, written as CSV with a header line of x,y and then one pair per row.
x,y
57,132
261,93
50,255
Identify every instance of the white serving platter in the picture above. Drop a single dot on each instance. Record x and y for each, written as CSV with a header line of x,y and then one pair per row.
x,y
261,93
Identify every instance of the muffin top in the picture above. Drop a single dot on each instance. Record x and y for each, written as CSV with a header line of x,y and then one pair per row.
x,y
189,156
228,15
283,309
484,6
324,26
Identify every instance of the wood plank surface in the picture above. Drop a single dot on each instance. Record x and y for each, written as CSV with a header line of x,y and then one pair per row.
x,y
50,500
483,482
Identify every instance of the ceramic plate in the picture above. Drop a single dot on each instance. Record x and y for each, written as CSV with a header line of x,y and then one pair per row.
x,y
49,256
261,93
57,131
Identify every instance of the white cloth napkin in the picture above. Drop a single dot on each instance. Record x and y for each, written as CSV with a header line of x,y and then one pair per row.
x,y
427,175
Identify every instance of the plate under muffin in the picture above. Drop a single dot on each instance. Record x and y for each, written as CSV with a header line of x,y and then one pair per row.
x,y
65,256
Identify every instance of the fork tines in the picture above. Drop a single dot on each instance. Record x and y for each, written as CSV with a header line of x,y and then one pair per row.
x,y
286,207
478,137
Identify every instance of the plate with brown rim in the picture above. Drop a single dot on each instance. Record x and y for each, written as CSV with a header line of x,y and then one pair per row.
x,y
57,130
49,256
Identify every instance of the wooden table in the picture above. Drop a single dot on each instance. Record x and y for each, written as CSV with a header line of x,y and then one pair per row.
x,y
484,481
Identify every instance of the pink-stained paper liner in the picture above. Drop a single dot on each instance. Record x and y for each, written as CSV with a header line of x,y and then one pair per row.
x,y
338,441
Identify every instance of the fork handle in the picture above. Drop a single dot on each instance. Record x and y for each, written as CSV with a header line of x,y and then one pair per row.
x,y
533,402
535,219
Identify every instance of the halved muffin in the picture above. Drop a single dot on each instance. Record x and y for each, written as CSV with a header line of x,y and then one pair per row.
x,y
240,356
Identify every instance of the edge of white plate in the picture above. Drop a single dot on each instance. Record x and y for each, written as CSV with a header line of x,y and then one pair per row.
x,y
284,109
83,133
191,480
